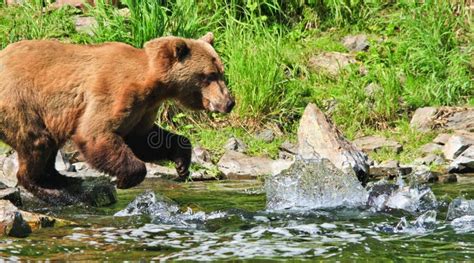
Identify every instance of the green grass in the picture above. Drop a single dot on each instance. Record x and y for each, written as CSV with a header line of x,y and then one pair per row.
x,y
420,54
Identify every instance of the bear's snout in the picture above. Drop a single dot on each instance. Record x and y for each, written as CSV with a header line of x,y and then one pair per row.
x,y
230,105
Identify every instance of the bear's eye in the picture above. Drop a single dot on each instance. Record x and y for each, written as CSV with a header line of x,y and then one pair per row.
x,y
210,77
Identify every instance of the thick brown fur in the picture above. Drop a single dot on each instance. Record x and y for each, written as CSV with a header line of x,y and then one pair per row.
x,y
105,98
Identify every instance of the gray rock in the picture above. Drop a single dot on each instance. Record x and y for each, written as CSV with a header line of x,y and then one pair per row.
x,y
455,146
235,144
442,138
12,195
423,118
356,42
331,62
158,171
464,163
266,135
460,207
235,165
62,163
319,138
461,120
8,169
285,155
390,164
430,159
85,24
310,184
375,143
201,156
431,148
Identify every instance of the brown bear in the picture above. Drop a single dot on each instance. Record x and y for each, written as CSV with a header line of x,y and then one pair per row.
x,y
105,98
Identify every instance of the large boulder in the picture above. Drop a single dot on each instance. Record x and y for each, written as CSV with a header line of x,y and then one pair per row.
x,y
236,165
422,118
319,138
457,144
464,163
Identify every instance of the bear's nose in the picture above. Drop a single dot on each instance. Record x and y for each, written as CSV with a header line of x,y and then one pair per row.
x,y
229,106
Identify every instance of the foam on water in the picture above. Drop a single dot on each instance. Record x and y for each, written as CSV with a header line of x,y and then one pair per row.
x,y
313,184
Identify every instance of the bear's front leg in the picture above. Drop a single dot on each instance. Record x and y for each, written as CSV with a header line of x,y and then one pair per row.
x,y
108,153
159,144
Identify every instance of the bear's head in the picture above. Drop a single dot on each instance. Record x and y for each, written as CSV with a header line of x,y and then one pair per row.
x,y
192,71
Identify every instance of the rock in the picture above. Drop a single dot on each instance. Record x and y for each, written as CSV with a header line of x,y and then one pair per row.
x,y
431,148
448,178
442,138
96,191
85,24
201,156
331,62
391,172
234,144
312,184
356,42
372,89
158,171
460,207
285,155
266,135
422,120
390,164
375,143
14,2
149,203
62,162
464,163
12,195
319,138
82,167
17,223
455,146
235,165
430,159
9,167
289,147
461,120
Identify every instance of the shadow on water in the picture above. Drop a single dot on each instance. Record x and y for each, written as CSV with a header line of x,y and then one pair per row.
x,y
227,220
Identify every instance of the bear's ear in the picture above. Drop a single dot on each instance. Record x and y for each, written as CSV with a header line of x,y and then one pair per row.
x,y
167,47
209,38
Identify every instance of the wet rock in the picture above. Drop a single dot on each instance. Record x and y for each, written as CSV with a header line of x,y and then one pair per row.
x,y
356,42
235,144
431,148
464,163
12,195
319,138
448,178
331,62
266,135
85,24
97,191
62,162
463,224
460,207
235,165
430,159
310,184
423,118
442,138
17,223
456,145
375,143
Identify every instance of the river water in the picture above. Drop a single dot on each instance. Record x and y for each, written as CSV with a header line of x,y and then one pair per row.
x,y
228,220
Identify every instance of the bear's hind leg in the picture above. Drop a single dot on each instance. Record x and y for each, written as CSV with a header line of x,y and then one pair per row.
x,y
33,177
55,179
